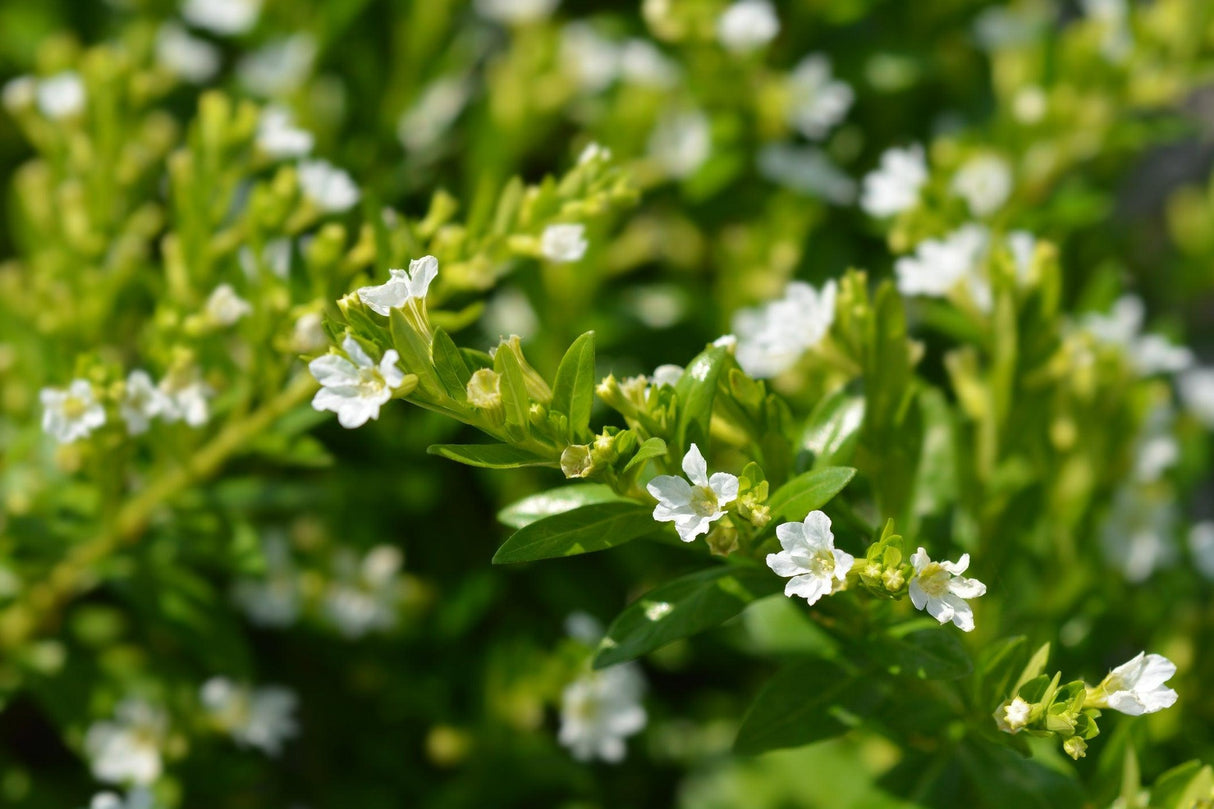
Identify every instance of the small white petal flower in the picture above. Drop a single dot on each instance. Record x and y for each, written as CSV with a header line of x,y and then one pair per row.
x,y
224,17
772,338
1149,354
273,601
1136,687
939,588
127,748
600,710
510,312
817,100
254,717
330,188
643,64
985,183
72,414
355,387
1201,546
940,265
563,244
693,507
278,68
809,560
366,593
516,12
1196,387
193,59
225,307
402,286
275,256
593,152
681,142
137,798
61,96
187,398
308,334
894,186
141,402
19,93
592,59
667,375
424,123
747,25
1139,533
278,136
1016,715
1155,354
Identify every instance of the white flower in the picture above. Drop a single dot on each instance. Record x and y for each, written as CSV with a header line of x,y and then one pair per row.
x,y
643,64
817,101
189,57
940,588
1149,354
69,415
592,153
19,93
275,256
894,186
365,593
692,507
510,312
1196,387
601,709
127,748
1016,715
136,798
666,376
939,265
274,600
308,334
402,286
771,338
61,96
1201,547
806,170
985,183
355,388
327,186
564,243
747,25
141,402
1136,687
591,58
681,142
809,560
279,67
224,17
224,307
429,117
1138,535
254,717
187,398
516,12
1023,246
278,136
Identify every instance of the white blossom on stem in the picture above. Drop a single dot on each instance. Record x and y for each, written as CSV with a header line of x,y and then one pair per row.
x,y
254,717
694,506
355,386
810,560
330,188
402,286
141,402
747,25
72,414
1136,687
894,185
564,243
601,709
127,749
941,590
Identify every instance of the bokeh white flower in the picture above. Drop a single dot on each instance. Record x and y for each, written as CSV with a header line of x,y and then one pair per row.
x,y
365,593
984,182
894,185
599,710
817,100
127,749
262,717
223,17
186,56
330,188
747,25
61,95
564,243
773,337
72,414
279,137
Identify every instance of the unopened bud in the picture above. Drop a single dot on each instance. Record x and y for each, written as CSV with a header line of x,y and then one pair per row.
x,y
1075,747
485,389
576,461
722,539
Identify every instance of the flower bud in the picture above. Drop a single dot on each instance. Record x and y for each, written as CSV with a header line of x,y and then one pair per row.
x,y
485,389
576,461
722,539
1075,747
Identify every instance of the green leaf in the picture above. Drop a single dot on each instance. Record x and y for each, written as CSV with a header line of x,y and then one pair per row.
x,y
594,527
683,607
573,391
452,371
927,654
489,456
1183,787
696,389
1001,778
833,428
555,501
652,448
1034,668
807,492
514,391
413,350
998,664
803,703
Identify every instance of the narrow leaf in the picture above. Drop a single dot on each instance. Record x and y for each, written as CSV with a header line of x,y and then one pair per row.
x,y
683,607
696,390
514,389
652,448
452,371
413,350
489,456
556,501
807,492
926,654
573,391
594,527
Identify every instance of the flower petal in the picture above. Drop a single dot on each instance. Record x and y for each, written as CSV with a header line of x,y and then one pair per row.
x,y
695,467
422,272
817,531
809,586
332,370
356,353
670,491
966,588
783,564
792,537
725,486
